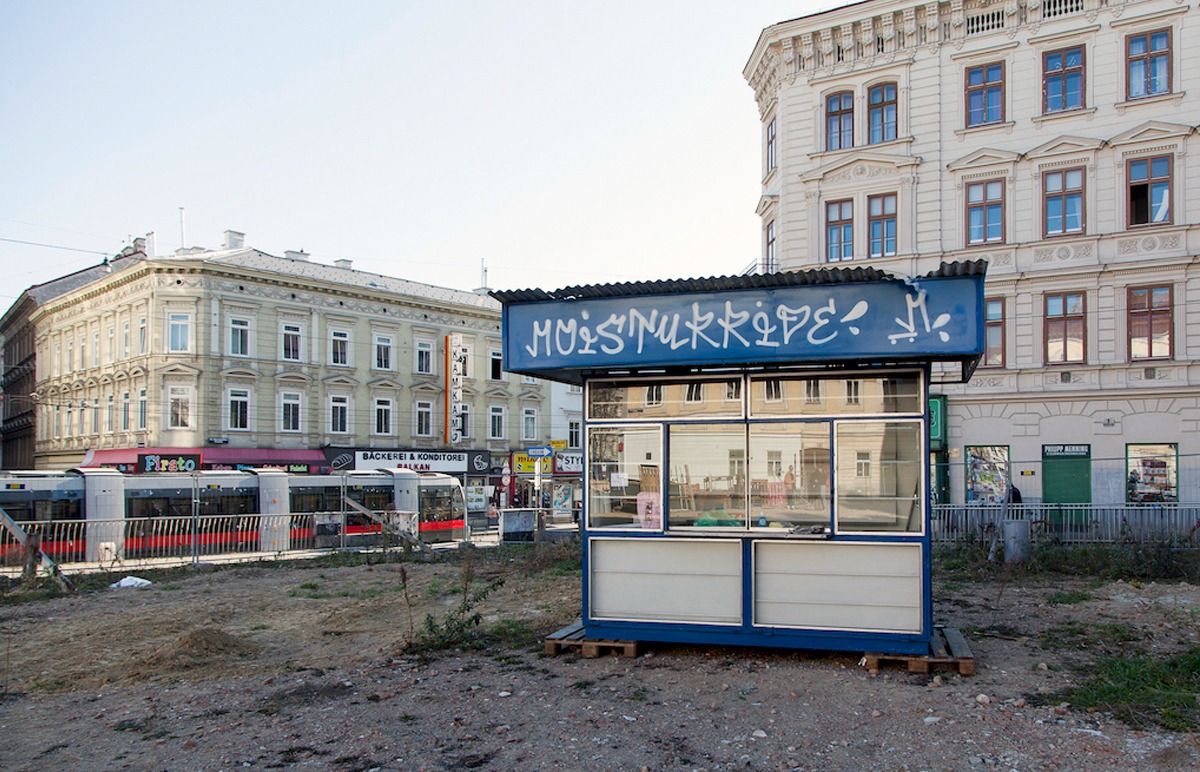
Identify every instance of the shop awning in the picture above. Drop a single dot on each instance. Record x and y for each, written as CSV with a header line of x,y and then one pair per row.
x,y
223,456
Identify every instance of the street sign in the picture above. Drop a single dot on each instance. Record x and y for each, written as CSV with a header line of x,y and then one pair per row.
x,y
540,451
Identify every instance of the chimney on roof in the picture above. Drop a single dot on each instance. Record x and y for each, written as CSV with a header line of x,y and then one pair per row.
x,y
343,263
296,255
235,239
139,245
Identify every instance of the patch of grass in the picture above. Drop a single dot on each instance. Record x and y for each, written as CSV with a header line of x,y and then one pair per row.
x,y
1067,597
459,627
1143,691
514,632
1103,636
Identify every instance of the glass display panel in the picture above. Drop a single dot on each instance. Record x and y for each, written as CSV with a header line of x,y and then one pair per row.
x,y
878,476
667,398
707,481
850,394
1152,473
624,477
789,475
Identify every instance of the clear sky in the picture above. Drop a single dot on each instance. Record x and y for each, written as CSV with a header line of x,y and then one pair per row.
x,y
555,142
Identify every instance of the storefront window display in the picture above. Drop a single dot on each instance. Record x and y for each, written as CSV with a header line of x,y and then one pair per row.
x,y
1151,473
987,474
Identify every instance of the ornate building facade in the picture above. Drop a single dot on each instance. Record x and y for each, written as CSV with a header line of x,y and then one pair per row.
x,y
232,358
1052,139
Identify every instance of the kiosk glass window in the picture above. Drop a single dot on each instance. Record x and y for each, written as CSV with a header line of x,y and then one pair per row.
x,y
789,474
668,398
707,481
814,396
624,477
884,493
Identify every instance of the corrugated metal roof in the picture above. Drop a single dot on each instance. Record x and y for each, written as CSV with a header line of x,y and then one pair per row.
x,y
816,276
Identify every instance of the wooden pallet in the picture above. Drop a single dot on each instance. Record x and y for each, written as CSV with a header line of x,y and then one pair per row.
x,y
948,649
572,637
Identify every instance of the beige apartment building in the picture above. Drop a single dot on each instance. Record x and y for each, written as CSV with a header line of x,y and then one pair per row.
x,y
1050,138
232,358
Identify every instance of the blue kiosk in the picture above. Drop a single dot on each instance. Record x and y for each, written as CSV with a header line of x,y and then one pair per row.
x,y
757,449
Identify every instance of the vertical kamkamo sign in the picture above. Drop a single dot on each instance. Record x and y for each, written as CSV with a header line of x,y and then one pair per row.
x,y
456,357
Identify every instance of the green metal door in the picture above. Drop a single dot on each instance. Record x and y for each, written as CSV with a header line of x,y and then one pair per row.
x,y
1066,478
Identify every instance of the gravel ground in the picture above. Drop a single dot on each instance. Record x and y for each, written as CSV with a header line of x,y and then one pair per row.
x,y
308,667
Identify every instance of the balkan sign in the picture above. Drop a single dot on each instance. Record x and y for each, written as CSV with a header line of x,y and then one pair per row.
x,y
448,461
930,318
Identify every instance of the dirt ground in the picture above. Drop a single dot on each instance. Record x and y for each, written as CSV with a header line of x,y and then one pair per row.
x,y
309,667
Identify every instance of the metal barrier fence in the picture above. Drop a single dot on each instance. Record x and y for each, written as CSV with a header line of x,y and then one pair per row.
x,y
1167,524
192,538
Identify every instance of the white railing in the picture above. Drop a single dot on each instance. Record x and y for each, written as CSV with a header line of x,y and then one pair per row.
x,y
1173,524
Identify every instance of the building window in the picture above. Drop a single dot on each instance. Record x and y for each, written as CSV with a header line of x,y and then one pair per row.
x,y
142,335
57,359
339,348
383,416
529,424
239,409
985,94
812,391
111,343
424,354
496,422
839,231
1062,80
770,264
993,353
1148,60
881,225
179,401
110,416
95,408
495,366
141,409
291,343
124,339
383,352
179,333
770,143
1062,201
985,212
125,411
695,392
853,392
1151,319
339,414
1150,190
239,337
733,390
773,390
70,356
862,463
881,104
1066,328
423,418
70,431
574,434
654,395
464,421
289,402
839,121
83,351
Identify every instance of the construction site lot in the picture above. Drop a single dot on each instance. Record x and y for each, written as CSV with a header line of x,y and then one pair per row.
x,y
384,662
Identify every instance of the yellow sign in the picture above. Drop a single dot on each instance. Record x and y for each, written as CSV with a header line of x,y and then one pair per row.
x,y
523,464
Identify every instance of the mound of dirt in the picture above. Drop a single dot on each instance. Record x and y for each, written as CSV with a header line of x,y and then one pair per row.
x,y
200,646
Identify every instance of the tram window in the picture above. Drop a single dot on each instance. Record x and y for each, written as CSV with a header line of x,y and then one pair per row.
x,y
316,499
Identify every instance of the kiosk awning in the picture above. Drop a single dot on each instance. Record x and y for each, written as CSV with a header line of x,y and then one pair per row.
x,y
819,317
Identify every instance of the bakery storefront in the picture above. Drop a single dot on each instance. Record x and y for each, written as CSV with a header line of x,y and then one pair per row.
x,y
756,453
